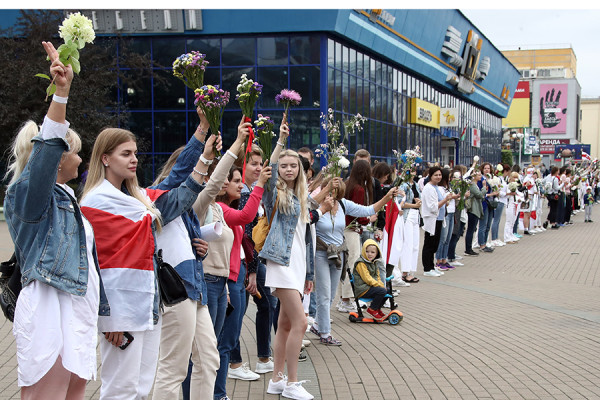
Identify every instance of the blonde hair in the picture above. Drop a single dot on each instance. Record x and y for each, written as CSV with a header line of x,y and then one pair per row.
x,y
168,166
106,142
22,146
514,175
285,194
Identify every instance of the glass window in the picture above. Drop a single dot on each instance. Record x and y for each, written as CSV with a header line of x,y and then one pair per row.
x,y
140,124
345,56
345,92
338,55
352,93
352,61
238,51
212,76
305,80
169,131
338,90
366,99
273,80
230,122
129,48
169,91
372,70
307,50
146,167
331,87
272,50
210,47
307,126
360,69
231,78
136,90
165,51
373,101
330,53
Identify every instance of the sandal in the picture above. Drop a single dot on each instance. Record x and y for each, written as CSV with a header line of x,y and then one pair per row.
x,y
414,279
330,341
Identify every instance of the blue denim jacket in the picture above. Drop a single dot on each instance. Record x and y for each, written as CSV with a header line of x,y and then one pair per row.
x,y
278,246
46,225
191,271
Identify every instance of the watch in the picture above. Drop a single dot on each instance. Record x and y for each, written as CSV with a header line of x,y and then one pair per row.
x,y
205,161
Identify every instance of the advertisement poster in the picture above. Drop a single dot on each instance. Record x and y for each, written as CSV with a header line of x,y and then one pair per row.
x,y
547,145
576,150
553,108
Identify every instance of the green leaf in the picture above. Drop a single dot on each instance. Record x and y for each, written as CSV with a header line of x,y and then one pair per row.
x,y
75,64
75,54
73,47
61,47
43,76
81,43
51,89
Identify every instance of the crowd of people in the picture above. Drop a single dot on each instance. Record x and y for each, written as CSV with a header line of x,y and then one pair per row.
x,y
89,263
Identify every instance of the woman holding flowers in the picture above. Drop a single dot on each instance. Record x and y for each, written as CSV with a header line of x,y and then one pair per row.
x,y
488,204
513,199
409,255
502,172
56,314
474,210
126,219
448,226
288,250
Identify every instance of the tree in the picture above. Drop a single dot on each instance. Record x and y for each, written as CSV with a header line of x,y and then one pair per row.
x,y
93,102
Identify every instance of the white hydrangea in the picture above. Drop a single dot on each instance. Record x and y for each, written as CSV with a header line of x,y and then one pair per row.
x,y
344,163
78,29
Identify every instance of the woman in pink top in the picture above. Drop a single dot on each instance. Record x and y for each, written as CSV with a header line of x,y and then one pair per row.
x,y
236,220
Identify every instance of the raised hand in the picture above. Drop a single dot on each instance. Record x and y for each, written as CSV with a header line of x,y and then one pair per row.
x,y
265,174
243,130
549,109
62,75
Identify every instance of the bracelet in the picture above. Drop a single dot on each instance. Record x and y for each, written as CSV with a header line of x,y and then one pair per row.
x,y
281,144
204,160
231,154
59,99
200,173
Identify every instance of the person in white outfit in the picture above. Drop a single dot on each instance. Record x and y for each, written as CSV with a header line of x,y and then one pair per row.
x,y
513,199
409,256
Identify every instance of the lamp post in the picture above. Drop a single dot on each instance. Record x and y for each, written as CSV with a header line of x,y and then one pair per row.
x,y
519,136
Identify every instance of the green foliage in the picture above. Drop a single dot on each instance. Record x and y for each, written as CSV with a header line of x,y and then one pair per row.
x,y
507,157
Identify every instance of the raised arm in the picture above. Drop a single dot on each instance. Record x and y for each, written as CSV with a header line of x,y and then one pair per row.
x,y
284,132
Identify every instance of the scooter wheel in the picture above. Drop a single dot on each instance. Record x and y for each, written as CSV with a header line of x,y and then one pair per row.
x,y
352,317
394,319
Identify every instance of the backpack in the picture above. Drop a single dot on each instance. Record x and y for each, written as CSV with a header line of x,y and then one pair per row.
x,y
262,228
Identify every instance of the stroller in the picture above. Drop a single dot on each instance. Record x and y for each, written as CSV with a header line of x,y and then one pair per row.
x,y
393,317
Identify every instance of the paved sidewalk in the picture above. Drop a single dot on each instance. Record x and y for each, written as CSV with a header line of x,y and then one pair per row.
x,y
522,322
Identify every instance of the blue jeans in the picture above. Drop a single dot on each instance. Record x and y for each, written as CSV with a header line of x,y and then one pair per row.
x,y
230,334
327,276
496,222
454,241
265,307
442,250
485,224
217,305
471,227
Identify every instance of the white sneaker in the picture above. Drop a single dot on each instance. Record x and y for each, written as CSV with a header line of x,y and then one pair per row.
x,y
500,243
306,342
264,367
400,283
277,387
490,244
458,257
242,373
310,320
456,263
294,390
439,271
433,272
347,307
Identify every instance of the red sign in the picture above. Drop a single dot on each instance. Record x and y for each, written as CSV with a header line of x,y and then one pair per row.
x,y
547,145
522,91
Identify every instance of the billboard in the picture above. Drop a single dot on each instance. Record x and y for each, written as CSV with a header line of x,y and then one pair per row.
x,y
553,108
547,145
518,114
576,150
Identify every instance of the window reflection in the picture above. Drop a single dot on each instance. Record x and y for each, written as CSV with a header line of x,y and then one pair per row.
x,y
165,51
210,47
307,50
305,80
136,90
170,131
231,78
140,124
273,80
169,91
305,129
238,51
272,51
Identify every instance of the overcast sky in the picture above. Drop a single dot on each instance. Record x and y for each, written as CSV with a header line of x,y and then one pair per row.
x,y
578,28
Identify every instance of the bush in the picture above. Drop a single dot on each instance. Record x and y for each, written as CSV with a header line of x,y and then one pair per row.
x,y
507,157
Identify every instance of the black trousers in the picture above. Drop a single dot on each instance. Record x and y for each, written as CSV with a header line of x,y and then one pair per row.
x,y
568,207
378,295
430,245
552,215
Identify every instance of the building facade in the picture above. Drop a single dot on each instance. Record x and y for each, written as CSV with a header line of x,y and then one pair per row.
x,y
420,77
590,125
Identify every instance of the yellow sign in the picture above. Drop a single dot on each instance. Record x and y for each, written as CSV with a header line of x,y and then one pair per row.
x,y
518,114
424,113
448,117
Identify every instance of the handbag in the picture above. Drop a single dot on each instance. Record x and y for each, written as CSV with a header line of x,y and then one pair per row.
x,y
262,228
172,289
493,204
10,282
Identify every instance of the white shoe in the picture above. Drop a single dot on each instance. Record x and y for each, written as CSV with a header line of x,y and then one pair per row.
x,y
400,283
306,342
439,271
243,373
433,272
456,264
458,257
264,367
294,390
310,320
500,243
277,387
490,244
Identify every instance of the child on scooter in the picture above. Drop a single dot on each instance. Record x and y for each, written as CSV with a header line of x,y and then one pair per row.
x,y
367,282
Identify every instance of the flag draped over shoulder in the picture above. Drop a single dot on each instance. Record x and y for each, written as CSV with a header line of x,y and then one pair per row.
x,y
125,247
391,244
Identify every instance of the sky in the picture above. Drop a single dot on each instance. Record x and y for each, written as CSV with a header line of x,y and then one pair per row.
x,y
519,27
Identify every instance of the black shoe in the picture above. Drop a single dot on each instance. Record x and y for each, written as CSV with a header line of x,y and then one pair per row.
x,y
555,227
302,356
471,253
590,220
487,249
545,224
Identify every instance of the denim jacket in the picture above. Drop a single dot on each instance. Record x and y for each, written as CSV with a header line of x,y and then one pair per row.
x,y
278,245
46,225
191,271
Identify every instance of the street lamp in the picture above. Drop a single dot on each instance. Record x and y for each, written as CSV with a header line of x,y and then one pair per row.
x,y
519,136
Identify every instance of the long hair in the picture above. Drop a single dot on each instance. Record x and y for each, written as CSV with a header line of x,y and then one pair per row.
x,y
445,178
380,170
360,175
285,194
168,166
106,142
22,146
224,198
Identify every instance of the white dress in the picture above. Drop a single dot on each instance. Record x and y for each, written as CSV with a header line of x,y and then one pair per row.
x,y
51,323
294,275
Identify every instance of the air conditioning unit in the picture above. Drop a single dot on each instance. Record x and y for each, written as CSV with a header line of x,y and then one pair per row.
x,y
533,73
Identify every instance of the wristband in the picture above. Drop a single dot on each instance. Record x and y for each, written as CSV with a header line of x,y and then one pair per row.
x,y
281,144
204,160
59,99
231,154
200,173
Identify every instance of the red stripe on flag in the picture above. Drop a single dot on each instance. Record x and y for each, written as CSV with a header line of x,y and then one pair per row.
x,y
155,193
121,242
391,214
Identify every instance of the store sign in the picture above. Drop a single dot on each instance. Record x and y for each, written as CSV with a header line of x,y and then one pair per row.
x,y
553,108
531,145
547,145
144,21
522,91
449,117
476,137
424,113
